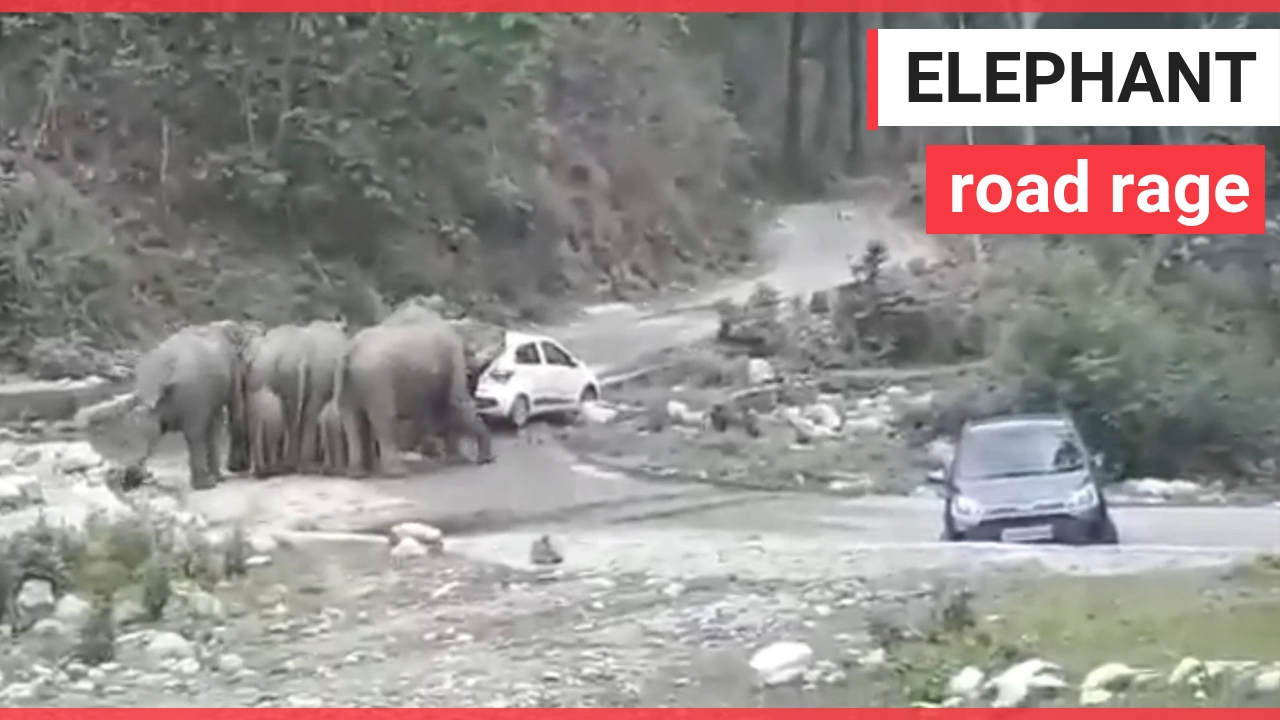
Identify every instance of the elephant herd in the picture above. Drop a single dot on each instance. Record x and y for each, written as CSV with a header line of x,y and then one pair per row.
x,y
308,398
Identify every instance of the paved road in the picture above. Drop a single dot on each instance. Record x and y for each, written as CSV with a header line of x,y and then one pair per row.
x,y
537,482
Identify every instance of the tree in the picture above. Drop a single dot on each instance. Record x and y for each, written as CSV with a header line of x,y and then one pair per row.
x,y
857,98
793,131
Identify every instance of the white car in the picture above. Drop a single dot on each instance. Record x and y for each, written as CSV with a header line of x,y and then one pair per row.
x,y
532,376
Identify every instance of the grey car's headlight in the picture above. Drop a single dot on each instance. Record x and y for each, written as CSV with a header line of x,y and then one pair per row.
x,y
1086,498
966,508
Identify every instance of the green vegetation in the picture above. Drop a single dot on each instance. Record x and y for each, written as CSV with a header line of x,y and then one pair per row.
x,y
1147,622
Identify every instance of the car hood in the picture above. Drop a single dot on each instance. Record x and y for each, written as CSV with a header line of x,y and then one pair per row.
x,y
1023,489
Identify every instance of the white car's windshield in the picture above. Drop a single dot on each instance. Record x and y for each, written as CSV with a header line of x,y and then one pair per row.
x,y
1004,451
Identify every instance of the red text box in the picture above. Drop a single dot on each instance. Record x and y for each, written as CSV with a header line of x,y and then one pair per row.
x,y
1129,189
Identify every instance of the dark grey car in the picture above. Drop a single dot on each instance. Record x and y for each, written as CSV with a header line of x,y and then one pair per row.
x,y
1024,478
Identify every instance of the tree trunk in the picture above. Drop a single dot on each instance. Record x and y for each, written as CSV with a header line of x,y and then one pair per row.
x,y
795,94
857,92
830,52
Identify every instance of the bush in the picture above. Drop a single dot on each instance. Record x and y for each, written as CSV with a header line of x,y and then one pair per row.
x,y
1158,394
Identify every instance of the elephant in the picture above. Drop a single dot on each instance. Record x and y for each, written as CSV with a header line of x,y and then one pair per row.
x,y
266,423
412,366
325,344
188,384
275,361
483,343
333,439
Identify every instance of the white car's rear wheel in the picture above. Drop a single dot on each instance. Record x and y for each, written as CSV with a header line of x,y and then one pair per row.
x,y
519,414
589,394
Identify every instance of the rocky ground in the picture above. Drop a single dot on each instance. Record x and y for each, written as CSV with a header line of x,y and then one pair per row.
x,y
340,621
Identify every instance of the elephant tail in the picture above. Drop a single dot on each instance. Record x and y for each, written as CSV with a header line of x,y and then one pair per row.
x,y
300,407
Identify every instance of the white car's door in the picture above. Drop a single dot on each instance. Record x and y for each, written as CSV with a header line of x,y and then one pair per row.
x,y
562,374
530,374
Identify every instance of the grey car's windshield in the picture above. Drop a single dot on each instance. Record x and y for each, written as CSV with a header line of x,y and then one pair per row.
x,y
1012,450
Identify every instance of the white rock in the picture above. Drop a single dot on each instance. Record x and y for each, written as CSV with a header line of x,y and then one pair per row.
x,y
408,548
75,457
127,611
917,404
203,605
759,371
781,662
258,561
1218,668
49,628
1014,686
1095,696
966,683
260,544
804,428
187,666
1163,489
18,491
875,658
1267,681
1110,676
896,392
1188,671
597,413
421,532
19,693
303,701
72,610
35,599
230,663
673,590
165,645
824,416
679,413
865,425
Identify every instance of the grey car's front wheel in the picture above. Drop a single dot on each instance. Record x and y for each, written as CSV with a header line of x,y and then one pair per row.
x,y
1107,533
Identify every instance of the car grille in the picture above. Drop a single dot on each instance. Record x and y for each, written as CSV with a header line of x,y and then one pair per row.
x,y
485,403
1047,507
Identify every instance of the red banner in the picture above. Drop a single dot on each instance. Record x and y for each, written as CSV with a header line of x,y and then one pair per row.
x,y
626,714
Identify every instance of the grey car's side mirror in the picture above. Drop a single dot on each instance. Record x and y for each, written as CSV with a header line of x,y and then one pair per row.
x,y
936,477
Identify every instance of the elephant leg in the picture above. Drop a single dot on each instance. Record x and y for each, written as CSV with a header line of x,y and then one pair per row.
x,y
466,420
388,453
198,455
273,450
213,446
357,450
238,460
260,460
310,431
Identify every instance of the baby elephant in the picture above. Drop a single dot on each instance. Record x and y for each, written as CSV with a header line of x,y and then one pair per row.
x,y
333,441
266,432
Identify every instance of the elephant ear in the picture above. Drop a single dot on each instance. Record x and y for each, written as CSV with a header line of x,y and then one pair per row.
x,y
154,382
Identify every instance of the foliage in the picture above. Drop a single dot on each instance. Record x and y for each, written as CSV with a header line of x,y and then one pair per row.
x,y
97,641
429,152
157,588
106,557
1156,393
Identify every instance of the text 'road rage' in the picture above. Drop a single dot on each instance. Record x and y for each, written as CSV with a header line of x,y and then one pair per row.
x,y
1095,189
